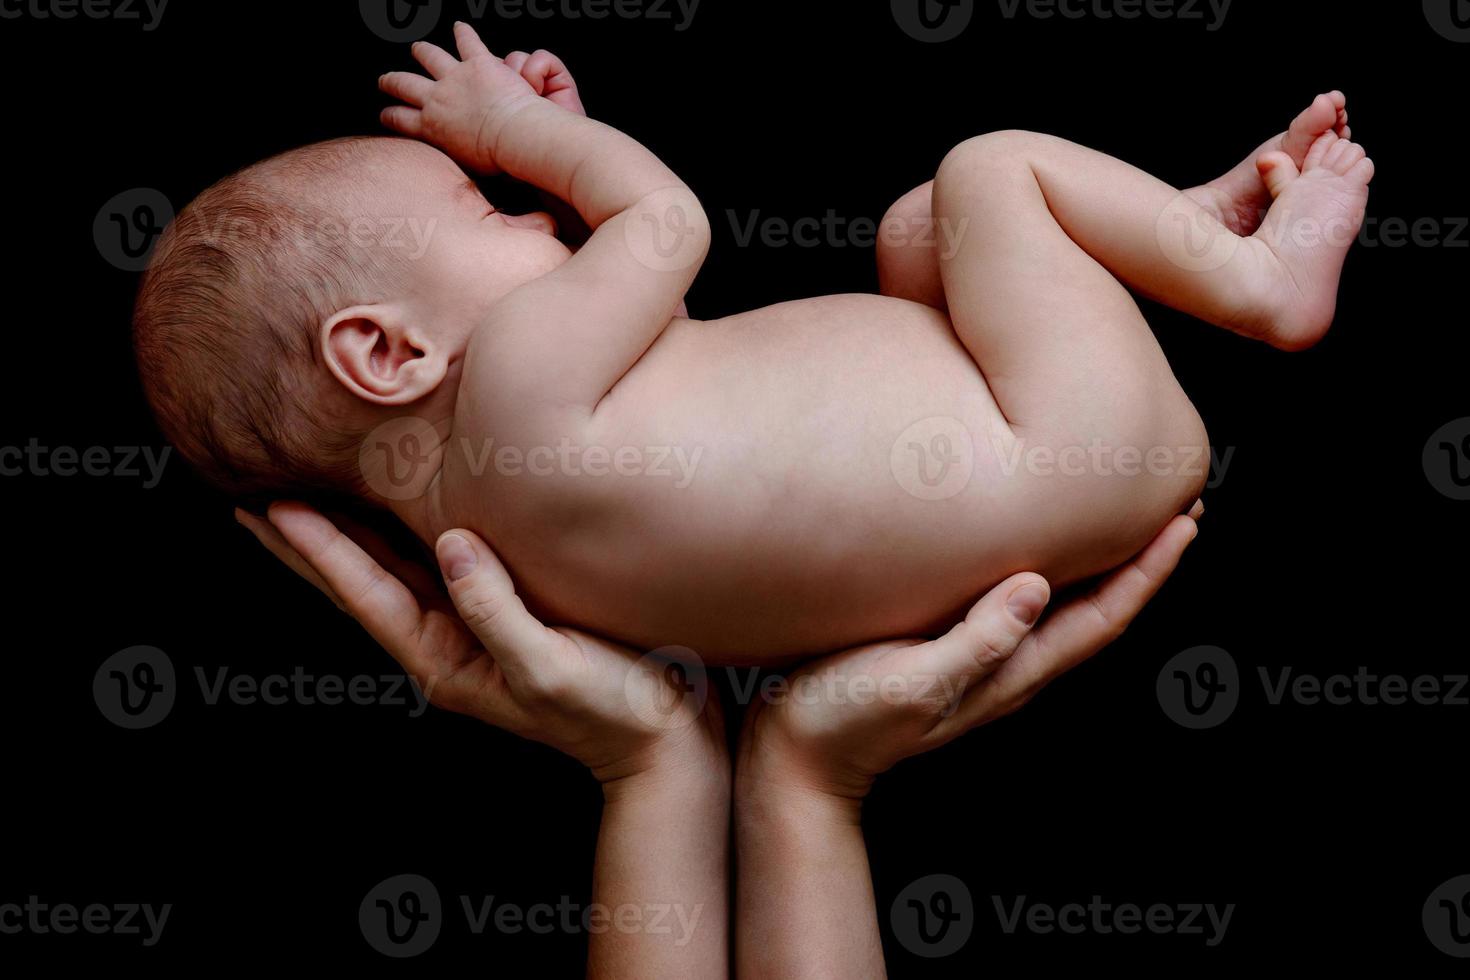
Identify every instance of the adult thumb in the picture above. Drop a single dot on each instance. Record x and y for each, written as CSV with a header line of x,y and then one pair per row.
x,y
992,631
485,598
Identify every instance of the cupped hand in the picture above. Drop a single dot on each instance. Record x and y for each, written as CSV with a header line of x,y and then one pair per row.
x,y
479,652
845,719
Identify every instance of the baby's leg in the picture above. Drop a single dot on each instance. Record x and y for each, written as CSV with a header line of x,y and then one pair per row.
x,y
1033,291
1279,284
1063,347
909,243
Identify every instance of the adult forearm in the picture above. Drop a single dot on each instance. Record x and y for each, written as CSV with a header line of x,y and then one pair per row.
x,y
662,877
805,905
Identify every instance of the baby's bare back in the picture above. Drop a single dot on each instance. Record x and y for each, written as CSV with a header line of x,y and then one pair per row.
x,y
783,482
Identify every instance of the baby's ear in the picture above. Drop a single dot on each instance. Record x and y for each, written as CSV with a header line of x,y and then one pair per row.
x,y
381,356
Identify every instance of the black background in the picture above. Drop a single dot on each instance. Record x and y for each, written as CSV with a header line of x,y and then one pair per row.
x,y
1325,547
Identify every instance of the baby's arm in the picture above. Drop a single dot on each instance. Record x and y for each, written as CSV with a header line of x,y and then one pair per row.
x,y
568,337
552,80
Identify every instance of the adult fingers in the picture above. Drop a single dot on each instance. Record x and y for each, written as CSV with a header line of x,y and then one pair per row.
x,y
1079,628
267,535
382,604
991,632
485,598
420,578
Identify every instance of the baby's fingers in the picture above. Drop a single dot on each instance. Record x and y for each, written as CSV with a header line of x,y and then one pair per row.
x,y
470,45
549,76
436,60
408,86
402,119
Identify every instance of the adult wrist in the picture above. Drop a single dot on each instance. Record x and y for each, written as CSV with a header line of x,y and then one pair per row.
x,y
769,787
692,769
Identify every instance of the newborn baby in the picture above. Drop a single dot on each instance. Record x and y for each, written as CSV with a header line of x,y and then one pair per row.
x,y
786,481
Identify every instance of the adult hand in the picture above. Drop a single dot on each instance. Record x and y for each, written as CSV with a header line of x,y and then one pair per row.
x,y
479,652
855,714
806,905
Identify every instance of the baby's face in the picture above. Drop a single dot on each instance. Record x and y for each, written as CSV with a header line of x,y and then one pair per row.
x,y
463,255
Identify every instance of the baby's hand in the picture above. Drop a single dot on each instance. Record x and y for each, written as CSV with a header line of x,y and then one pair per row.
x,y
548,75
461,107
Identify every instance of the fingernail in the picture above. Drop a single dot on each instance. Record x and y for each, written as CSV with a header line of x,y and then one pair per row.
x,y
456,558
1027,602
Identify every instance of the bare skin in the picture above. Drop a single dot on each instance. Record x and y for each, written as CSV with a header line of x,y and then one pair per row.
x,y
794,530
805,905
805,901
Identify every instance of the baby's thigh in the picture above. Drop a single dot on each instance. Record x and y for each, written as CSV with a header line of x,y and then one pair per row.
x,y
1072,504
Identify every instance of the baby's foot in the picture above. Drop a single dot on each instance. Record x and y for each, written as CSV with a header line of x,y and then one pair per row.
x,y
1314,220
1240,198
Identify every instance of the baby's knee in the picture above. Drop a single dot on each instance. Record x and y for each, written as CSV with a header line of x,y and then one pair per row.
x,y
987,155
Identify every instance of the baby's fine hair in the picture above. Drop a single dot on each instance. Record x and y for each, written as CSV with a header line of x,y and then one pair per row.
x,y
225,327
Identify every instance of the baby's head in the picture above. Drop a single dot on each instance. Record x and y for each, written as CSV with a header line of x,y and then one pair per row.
x,y
297,304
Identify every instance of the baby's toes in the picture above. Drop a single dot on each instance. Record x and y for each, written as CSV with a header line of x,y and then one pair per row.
x,y
1315,119
1344,156
1362,172
1318,153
